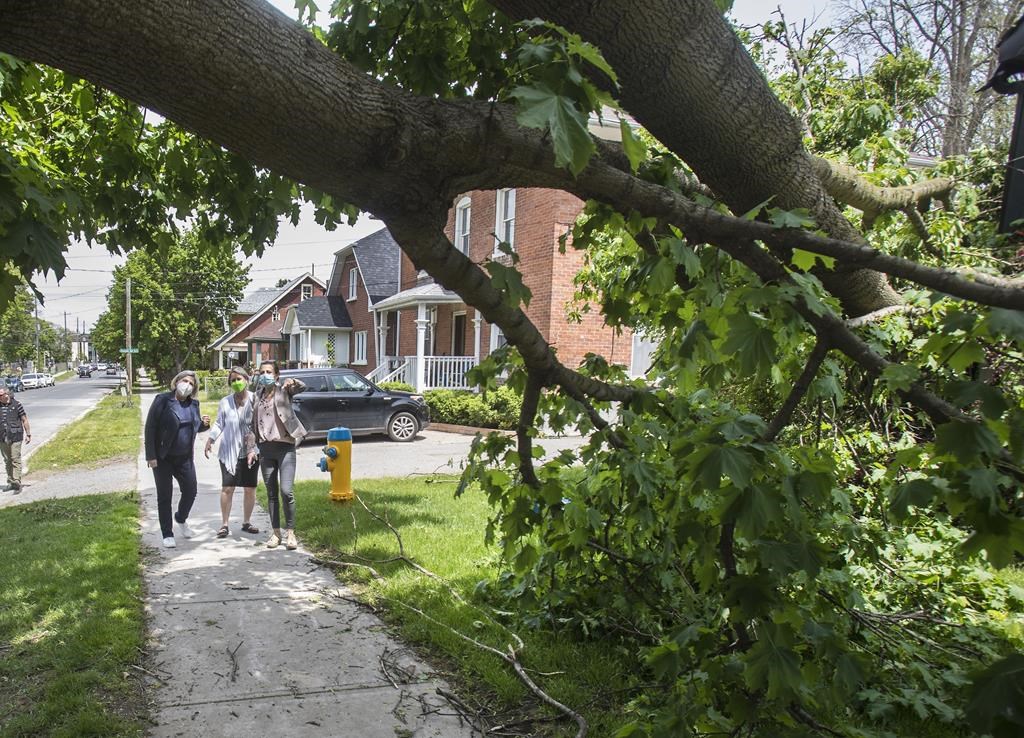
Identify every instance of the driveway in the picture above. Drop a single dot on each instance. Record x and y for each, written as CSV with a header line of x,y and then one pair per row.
x,y
431,452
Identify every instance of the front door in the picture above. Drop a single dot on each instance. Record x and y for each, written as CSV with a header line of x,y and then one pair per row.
x,y
459,334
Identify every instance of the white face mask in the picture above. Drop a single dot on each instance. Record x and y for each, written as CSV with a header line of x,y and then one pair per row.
x,y
184,388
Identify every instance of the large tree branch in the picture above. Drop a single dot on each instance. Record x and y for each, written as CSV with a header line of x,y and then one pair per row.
x,y
847,185
377,146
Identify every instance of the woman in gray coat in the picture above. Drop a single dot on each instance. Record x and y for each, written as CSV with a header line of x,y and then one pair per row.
x,y
276,432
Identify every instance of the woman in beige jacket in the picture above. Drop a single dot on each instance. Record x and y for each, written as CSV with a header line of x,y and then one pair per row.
x,y
276,432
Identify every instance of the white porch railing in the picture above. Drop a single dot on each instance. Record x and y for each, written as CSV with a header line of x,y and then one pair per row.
x,y
447,372
439,372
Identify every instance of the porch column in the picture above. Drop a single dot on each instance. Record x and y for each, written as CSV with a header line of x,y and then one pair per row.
x,y
382,338
309,347
476,335
422,321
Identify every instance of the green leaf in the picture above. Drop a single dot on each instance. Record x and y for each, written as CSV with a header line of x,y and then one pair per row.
x,y
753,343
1009,323
796,218
966,440
967,354
917,492
772,663
900,377
804,260
724,461
753,509
509,282
635,150
996,705
541,107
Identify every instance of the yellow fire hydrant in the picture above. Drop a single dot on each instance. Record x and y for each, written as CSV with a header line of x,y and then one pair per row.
x,y
337,459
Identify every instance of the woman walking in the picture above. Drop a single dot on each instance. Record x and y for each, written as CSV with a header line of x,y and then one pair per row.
x,y
171,427
234,418
276,431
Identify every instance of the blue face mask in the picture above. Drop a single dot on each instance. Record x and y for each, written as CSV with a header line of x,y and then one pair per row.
x,y
265,380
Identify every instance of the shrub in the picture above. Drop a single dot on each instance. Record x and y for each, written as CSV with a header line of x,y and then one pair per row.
x,y
498,409
397,386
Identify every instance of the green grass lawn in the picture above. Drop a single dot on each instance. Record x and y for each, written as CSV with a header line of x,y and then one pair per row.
x,y
71,618
108,432
445,535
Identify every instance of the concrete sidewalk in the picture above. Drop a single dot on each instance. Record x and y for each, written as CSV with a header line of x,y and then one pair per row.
x,y
248,641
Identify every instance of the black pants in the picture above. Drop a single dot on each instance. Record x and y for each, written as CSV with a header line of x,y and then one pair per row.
x,y
182,469
277,462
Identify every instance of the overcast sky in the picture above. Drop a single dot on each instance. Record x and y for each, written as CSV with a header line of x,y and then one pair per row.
x,y
81,296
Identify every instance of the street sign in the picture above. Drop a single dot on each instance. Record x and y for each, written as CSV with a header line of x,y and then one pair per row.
x,y
130,351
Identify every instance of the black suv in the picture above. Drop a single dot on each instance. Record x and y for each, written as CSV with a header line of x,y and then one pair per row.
x,y
343,397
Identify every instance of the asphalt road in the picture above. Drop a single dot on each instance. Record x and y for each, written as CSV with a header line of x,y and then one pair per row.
x,y
51,408
430,452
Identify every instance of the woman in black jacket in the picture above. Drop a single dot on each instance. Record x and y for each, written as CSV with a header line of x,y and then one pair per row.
x,y
171,427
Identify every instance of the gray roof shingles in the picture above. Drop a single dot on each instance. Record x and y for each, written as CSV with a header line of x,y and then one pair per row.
x,y
378,256
252,302
323,312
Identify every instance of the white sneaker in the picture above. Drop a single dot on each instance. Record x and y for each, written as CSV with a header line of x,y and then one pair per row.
x,y
185,531
169,542
274,541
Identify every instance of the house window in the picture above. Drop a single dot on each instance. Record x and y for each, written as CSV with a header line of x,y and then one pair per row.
x,y
462,226
497,338
505,218
353,281
307,291
359,347
275,315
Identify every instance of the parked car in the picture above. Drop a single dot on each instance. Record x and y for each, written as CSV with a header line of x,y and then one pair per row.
x,y
33,380
112,370
85,371
343,397
101,367
48,380
14,383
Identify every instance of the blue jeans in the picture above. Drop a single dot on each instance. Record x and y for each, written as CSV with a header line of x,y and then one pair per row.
x,y
182,469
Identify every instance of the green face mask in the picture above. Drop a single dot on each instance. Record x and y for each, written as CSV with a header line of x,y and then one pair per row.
x,y
238,385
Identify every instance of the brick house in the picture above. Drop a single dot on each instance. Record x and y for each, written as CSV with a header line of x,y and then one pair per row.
x,y
254,332
405,327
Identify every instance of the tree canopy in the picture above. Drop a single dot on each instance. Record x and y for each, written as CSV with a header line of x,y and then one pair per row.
x,y
181,299
790,522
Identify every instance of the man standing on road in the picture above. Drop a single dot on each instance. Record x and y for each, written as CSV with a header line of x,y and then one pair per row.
x,y
13,430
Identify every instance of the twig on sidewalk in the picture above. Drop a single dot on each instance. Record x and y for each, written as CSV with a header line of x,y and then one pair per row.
x,y
234,660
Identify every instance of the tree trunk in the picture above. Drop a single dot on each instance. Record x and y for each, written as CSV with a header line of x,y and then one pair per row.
x,y
686,78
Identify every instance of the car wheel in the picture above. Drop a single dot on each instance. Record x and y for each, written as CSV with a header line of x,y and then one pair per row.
x,y
402,427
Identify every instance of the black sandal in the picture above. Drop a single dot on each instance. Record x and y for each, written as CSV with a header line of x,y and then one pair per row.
x,y
250,528
223,532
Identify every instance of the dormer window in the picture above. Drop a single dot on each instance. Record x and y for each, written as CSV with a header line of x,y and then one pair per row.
x,y
505,218
307,292
462,226
353,282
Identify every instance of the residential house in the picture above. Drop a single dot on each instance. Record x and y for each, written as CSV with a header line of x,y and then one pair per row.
x,y
403,326
254,333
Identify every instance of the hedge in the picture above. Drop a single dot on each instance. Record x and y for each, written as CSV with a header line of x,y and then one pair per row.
x,y
496,409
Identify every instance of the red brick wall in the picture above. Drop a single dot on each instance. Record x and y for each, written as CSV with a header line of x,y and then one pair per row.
x,y
542,216
362,319
265,325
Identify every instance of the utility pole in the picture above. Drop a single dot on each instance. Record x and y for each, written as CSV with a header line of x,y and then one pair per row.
x,y
128,337
35,359
67,342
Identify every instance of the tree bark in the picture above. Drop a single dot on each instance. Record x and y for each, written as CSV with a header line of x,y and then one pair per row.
x,y
686,77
